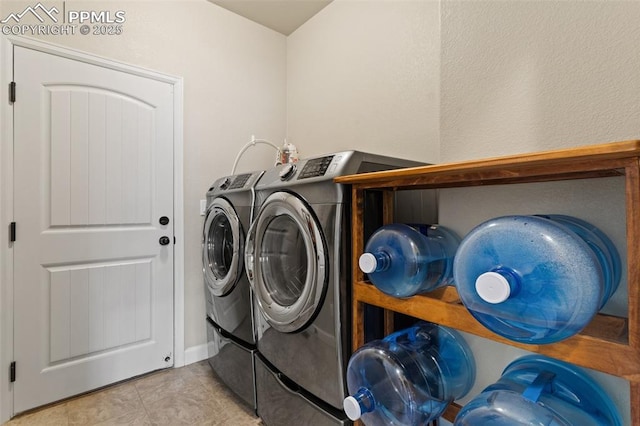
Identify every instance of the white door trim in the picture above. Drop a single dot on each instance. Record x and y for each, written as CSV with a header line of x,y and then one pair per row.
x,y
6,198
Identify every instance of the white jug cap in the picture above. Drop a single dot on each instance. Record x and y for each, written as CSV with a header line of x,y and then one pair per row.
x,y
492,287
367,263
352,408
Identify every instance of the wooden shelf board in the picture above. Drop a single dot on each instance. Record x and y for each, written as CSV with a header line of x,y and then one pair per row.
x,y
451,412
430,181
582,162
603,353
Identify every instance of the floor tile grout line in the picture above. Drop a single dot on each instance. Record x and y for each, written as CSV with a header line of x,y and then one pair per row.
x,y
144,406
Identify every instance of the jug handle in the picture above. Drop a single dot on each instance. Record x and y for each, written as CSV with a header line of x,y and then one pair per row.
x,y
542,382
410,333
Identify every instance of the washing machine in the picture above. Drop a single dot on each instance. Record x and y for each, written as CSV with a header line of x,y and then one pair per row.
x,y
297,258
231,333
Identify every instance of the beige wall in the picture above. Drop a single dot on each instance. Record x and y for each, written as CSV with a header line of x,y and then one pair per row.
x,y
364,75
234,86
523,76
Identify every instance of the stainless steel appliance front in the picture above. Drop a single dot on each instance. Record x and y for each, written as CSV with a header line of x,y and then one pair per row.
x,y
298,263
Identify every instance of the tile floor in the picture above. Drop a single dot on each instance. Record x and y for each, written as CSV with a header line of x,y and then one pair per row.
x,y
191,395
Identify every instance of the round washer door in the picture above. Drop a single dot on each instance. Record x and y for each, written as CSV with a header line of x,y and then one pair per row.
x,y
222,247
286,262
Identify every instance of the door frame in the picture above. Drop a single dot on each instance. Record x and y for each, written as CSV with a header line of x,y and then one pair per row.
x,y
7,204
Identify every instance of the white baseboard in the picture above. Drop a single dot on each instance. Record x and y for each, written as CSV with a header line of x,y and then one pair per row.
x,y
195,354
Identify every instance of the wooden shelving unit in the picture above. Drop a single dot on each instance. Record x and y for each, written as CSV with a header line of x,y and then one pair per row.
x,y
609,344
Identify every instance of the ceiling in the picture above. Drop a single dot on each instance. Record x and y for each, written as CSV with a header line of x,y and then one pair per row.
x,y
283,16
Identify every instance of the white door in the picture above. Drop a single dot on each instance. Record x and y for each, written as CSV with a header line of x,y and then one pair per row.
x,y
93,168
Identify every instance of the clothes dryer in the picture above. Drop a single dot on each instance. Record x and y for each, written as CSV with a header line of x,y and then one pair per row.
x,y
297,258
230,328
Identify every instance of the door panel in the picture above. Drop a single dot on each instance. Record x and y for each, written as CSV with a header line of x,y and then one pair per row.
x,y
93,172
98,307
101,155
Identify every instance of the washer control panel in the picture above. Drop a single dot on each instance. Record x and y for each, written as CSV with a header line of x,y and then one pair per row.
x,y
316,167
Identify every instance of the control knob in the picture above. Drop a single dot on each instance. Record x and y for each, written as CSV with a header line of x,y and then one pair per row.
x,y
287,171
225,183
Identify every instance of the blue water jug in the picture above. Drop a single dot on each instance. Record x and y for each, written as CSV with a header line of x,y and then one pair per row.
x,y
403,260
536,279
536,390
409,377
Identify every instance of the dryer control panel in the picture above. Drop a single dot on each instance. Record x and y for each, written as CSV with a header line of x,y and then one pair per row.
x,y
240,181
231,182
235,183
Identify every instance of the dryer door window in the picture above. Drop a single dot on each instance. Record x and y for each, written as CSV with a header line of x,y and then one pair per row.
x,y
285,269
286,260
222,247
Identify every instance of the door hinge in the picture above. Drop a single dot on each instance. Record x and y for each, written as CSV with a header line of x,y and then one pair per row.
x,y
12,232
12,92
12,372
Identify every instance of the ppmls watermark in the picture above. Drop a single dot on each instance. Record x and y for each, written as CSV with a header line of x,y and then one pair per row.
x,y
41,20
